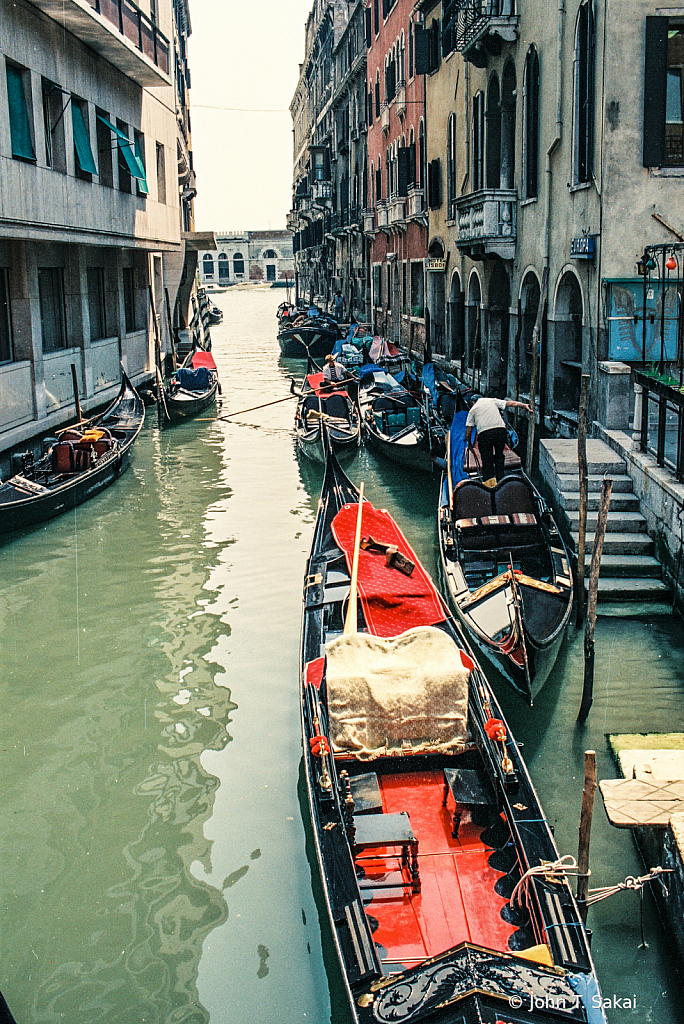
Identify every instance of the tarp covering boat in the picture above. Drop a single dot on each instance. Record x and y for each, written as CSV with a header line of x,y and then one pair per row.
x,y
194,380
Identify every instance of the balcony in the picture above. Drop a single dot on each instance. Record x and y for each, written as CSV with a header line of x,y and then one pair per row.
x,y
292,221
381,214
415,201
368,221
385,118
482,26
401,101
396,210
120,32
322,192
487,223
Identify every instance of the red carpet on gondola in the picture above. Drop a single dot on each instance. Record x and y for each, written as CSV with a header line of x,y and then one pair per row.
x,y
391,601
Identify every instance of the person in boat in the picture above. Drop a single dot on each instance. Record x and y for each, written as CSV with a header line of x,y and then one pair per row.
x,y
333,372
485,416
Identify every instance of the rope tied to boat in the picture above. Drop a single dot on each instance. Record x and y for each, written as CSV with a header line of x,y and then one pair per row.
x,y
551,870
632,883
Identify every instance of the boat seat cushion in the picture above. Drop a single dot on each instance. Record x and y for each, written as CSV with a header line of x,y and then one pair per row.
x,y
408,694
513,495
472,500
336,405
194,380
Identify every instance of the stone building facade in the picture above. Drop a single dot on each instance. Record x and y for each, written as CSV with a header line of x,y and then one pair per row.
x,y
245,256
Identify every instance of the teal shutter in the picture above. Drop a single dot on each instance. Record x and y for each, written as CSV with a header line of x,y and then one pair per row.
x,y
84,154
133,160
142,174
20,129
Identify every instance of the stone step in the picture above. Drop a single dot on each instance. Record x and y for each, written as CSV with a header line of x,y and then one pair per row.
x,y
625,566
620,502
621,483
618,522
632,590
634,609
560,456
621,543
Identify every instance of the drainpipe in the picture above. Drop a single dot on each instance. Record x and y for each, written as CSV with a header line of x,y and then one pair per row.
x,y
549,173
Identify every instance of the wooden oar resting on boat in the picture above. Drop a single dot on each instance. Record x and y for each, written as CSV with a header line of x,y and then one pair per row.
x,y
428,833
326,407
505,566
75,466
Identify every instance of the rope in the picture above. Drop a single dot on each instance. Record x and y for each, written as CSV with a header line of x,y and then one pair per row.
x,y
635,884
556,869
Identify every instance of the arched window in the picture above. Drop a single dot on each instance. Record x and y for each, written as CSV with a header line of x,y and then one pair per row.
x,y
377,93
378,181
509,93
402,61
238,264
421,154
583,106
410,49
412,158
207,265
223,267
493,117
478,141
531,126
451,166
270,254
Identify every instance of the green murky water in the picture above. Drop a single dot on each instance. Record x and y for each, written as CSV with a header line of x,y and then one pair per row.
x,y
153,856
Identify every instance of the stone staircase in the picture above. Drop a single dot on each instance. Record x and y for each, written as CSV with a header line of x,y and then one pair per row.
x,y
629,571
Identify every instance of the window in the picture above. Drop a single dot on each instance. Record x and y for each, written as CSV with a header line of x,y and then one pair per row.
x,y
141,176
421,154
270,272
404,291
583,135
6,350
451,167
96,303
161,174
223,267
376,16
377,301
318,167
52,310
450,10
54,104
378,181
410,49
368,26
663,92
83,154
493,137
130,305
208,265
427,48
435,184
20,112
377,93
238,264
531,126
478,141
104,149
270,254
124,155
417,290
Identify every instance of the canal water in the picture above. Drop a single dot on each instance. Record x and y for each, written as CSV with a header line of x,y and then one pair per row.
x,y
155,861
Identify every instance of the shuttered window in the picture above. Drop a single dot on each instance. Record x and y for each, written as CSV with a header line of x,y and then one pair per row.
x,y
141,176
52,310
18,99
422,50
583,149
85,162
130,306
402,170
655,90
435,184
6,352
96,303
451,167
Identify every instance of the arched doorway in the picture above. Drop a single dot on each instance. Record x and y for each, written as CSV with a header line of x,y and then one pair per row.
x,y
223,268
473,323
395,300
498,329
529,306
437,299
493,140
568,320
456,318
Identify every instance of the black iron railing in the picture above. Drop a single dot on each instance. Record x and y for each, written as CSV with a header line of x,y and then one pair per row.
x,y
662,420
135,26
472,16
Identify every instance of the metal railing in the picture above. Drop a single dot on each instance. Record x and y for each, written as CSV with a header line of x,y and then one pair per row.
x,y
662,420
473,15
137,27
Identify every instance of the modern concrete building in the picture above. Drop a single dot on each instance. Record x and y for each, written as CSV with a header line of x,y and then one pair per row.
x,y
245,256
91,216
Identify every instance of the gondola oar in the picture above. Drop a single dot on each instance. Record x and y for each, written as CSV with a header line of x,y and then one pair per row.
x,y
350,622
229,415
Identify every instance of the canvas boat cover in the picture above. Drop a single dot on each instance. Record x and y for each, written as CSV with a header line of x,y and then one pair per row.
x,y
407,694
391,602
203,358
194,380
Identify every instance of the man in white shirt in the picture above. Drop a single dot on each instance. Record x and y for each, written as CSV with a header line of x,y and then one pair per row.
x,y
485,416
333,371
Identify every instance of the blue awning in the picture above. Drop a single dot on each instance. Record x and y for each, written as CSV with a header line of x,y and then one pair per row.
x,y
84,153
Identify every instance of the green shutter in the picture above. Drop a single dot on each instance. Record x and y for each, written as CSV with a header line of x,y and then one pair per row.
x,y
140,158
133,160
20,129
84,154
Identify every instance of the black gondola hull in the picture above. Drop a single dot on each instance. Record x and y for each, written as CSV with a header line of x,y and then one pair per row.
x,y
185,405
298,342
413,456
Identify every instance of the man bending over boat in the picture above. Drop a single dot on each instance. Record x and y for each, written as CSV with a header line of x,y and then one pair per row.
x,y
485,416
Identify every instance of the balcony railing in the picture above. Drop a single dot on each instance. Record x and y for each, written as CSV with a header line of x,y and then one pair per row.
x,y
321,191
381,213
415,201
120,32
487,221
368,221
401,100
477,18
385,118
662,421
396,210
291,221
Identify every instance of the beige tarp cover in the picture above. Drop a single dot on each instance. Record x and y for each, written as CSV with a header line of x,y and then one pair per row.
x,y
385,694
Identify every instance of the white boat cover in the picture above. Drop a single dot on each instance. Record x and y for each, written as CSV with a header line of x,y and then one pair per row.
x,y
406,694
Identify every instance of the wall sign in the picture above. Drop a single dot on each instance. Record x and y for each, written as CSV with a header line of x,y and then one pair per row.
x,y
436,264
583,248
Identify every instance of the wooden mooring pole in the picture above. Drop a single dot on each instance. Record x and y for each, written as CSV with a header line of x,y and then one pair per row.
x,y
77,401
536,334
588,688
585,831
583,495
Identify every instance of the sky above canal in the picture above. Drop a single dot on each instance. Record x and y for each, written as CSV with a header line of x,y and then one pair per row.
x,y
245,57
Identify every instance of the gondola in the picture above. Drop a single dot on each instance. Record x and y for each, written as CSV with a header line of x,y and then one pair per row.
x,y
304,336
75,466
428,832
505,565
326,407
394,421
192,387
